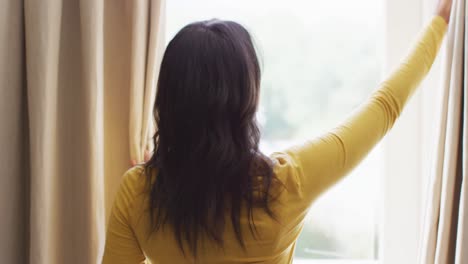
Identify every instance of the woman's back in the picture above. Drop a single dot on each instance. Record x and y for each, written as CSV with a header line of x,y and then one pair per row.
x,y
274,244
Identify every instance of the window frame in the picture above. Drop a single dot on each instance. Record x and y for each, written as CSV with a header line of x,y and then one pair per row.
x,y
409,146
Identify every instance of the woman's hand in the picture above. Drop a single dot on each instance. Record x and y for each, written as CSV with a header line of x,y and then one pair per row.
x,y
443,9
146,157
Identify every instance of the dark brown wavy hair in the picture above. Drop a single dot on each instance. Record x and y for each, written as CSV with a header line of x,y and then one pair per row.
x,y
206,146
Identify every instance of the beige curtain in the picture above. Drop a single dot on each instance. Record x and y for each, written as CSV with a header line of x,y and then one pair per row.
x,y
77,87
445,231
13,127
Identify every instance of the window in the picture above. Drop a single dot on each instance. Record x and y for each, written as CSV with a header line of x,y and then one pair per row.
x,y
320,60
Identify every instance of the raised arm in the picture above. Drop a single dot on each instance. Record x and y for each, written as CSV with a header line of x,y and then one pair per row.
x,y
323,161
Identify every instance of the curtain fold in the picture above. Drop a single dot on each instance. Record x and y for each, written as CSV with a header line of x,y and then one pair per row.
x,y
462,230
80,78
443,238
144,69
133,48
13,120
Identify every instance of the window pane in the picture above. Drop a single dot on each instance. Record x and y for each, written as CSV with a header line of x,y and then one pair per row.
x,y
319,61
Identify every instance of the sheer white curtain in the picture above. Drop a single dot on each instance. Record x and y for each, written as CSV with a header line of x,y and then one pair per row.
x,y
445,229
77,82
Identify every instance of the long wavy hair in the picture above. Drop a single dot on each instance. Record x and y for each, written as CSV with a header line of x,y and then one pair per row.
x,y
206,154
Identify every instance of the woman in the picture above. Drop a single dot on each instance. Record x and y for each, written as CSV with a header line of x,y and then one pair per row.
x,y
208,195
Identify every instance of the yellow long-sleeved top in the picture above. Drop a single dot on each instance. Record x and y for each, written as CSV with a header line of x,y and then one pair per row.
x,y
306,171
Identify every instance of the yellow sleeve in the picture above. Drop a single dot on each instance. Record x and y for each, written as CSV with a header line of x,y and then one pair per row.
x,y
121,244
320,163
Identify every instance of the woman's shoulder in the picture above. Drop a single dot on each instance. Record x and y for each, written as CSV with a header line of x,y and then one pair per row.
x,y
134,176
133,191
136,180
